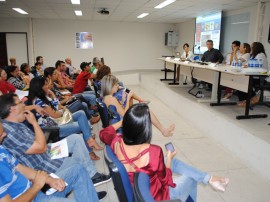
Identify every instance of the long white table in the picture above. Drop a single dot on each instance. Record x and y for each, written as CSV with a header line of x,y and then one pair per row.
x,y
220,75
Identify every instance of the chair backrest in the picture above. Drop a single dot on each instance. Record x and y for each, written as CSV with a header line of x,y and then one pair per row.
x,y
103,112
119,175
142,188
114,117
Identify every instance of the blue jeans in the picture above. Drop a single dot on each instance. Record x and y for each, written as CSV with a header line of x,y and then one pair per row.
x,y
186,184
78,105
90,96
80,155
78,181
79,124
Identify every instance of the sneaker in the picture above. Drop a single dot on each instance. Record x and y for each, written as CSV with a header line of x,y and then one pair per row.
x,y
101,195
100,178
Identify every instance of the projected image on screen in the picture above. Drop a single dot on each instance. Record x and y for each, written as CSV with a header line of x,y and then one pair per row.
x,y
207,27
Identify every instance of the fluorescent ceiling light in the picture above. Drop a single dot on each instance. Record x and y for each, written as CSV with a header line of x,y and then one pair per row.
x,y
75,1
165,3
236,23
142,15
2,0
20,11
78,13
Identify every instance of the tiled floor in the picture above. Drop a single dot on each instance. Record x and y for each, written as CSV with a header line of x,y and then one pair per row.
x,y
196,149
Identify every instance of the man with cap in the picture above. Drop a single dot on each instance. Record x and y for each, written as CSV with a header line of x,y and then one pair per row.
x,y
81,88
96,65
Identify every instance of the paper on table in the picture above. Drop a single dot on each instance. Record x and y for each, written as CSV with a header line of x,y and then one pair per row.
x,y
59,149
168,58
21,93
52,190
176,59
212,64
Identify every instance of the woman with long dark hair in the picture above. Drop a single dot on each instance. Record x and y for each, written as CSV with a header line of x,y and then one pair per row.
x,y
16,78
39,94
134,149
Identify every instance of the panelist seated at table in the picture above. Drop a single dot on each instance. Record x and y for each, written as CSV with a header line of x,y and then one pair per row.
x,y
235,54
244,57
212,55
257,52
187,55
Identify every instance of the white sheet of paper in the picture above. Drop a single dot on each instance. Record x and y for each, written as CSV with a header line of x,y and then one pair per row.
x,y
59,149
212,64
65,92
176,59
168,58
21,93
52,190
186,62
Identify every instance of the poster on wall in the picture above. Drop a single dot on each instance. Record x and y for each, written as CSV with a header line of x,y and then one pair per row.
x,y
84,40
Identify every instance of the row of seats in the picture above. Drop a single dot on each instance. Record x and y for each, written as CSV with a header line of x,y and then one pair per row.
x,y
125,193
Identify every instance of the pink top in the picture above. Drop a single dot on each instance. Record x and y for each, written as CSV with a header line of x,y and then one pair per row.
x,y
160,176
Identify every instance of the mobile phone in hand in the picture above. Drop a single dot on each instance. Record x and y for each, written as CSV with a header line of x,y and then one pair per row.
x,y
169,147
127,90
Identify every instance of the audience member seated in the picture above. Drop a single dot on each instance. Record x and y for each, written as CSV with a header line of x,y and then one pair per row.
x,y
82,79
36,70
16,78
13,62
25,69
40,59
40,95
63,80
96,65
86,97
121,94
187,55
30,147
109,86
21,183
5,87
134,149
70,69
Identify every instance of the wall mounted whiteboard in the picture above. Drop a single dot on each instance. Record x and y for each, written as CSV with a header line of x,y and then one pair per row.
x,y
234,27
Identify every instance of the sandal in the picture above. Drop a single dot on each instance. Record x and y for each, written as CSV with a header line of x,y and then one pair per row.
x,y
93,144
93,156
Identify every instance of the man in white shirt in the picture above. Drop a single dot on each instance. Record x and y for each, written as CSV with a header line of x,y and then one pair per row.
x,y
235,52
70,69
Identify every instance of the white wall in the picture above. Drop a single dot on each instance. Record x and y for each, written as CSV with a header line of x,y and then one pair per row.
x,y
186,34
125,46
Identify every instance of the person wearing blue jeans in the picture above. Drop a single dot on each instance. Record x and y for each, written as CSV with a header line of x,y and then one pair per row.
x,y
186,184
15,181
79,124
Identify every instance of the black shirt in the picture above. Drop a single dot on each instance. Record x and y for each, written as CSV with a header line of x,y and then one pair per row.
x,y
214,55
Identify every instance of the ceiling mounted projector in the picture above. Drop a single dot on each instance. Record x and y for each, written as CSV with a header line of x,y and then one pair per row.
x,y
104,12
